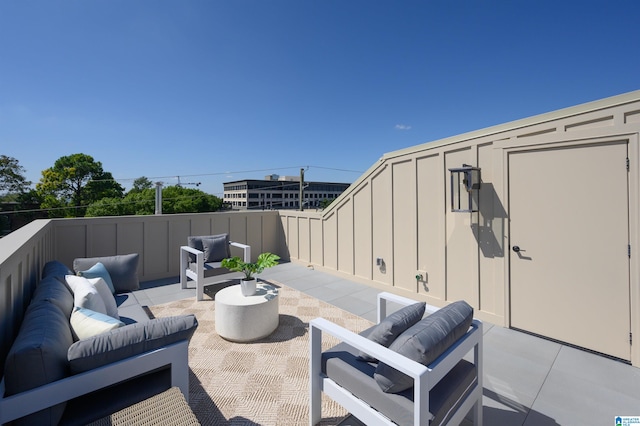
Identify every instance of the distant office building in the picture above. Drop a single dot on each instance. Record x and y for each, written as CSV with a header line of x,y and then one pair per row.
x,y
279,192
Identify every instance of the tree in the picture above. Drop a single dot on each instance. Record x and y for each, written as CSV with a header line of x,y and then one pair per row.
x,y
323,204
12,178
141,183
74,182
175,199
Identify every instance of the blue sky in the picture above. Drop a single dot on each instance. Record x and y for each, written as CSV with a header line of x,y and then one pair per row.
x,y
216,91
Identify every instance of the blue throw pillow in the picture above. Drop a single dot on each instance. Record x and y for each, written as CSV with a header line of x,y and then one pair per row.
x,y
98,271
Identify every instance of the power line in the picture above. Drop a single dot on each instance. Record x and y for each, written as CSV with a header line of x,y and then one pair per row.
x,y
225,173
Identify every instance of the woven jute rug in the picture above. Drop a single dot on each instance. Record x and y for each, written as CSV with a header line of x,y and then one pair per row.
x,y
265,382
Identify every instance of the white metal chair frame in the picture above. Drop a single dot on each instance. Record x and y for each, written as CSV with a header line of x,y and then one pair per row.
x,y
198,275
176,355
425,377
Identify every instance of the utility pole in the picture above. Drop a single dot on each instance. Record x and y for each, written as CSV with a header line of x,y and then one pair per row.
x,y
301,190
158,197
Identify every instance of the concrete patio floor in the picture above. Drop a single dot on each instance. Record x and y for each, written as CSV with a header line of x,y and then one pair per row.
x,y
528,381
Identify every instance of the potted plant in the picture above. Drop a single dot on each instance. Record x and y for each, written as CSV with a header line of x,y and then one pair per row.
x,y
248,283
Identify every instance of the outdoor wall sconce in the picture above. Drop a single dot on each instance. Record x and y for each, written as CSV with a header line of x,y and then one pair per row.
x,y
465,183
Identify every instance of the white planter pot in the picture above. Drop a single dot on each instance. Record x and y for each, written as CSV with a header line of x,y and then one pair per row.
x,y
248,287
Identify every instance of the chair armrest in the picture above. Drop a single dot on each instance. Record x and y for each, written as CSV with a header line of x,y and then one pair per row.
x,y
191,250
381,353
385,297
246,248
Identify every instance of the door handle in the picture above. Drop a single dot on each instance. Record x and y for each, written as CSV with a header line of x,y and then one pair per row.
x,y
516,249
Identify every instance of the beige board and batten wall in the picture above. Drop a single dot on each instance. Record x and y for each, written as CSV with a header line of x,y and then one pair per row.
x,y
395,222
157,239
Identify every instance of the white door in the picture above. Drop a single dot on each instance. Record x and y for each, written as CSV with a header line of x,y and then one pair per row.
x,y
569,236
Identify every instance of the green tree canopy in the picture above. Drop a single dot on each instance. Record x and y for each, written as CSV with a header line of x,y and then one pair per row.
x,y
175,199
74,182
12,178
141,183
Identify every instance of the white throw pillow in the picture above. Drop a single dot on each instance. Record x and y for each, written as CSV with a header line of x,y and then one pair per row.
x,y
86,323
85,295
107,297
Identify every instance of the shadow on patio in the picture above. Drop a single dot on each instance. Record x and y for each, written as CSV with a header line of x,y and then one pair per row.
x,y
527,380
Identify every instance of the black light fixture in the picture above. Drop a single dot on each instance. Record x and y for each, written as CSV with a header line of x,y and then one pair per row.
x,y
465,183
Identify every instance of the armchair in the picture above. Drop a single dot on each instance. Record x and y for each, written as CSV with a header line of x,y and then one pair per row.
x,y
441,391
201,259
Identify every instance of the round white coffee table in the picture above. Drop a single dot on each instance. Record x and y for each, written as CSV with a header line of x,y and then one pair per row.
x,y
246,318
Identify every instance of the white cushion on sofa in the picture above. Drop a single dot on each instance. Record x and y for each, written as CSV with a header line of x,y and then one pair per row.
x,y
85,295
86,323
107,297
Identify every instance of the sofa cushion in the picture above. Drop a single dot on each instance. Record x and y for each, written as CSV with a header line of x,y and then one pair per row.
x,y
39,356
424,342
392,326
98,271
55,291
124,342
133,313
55,268
123,269
85,295
86,323
197,243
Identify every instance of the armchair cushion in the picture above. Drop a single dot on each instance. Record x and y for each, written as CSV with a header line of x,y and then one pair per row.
x,y
123,269
424,342
392,326
218,247
342,365
128,341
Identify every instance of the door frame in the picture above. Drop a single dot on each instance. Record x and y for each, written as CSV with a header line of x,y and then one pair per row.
x,y
564,140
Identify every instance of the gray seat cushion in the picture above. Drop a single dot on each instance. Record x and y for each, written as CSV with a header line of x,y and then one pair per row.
x,y
128,341
211,269
123,269
395,324
424,342
39,356
341,364
129,309
133,313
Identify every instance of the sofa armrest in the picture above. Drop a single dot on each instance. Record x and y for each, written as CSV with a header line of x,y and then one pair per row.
x,y
31,401
128,341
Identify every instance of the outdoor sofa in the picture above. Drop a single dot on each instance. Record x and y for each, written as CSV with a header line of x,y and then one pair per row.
x,y
52,376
